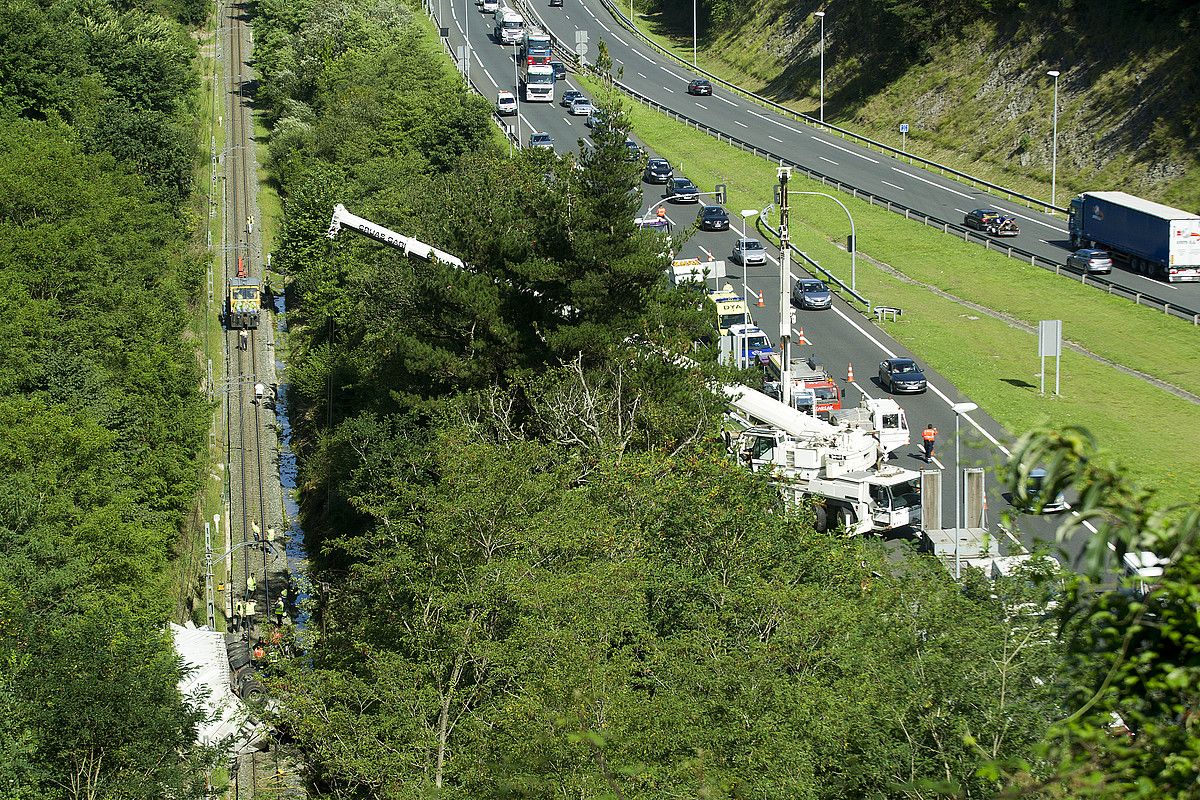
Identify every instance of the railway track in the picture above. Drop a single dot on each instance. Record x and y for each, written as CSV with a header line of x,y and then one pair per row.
x,y
249,522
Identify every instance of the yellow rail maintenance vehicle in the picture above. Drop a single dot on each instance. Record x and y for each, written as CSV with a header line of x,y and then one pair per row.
x,y
243,300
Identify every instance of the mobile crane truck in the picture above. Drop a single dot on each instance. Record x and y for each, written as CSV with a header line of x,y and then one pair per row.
x,y
839,465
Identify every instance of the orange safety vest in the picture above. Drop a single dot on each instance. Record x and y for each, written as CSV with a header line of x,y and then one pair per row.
x,y
928,434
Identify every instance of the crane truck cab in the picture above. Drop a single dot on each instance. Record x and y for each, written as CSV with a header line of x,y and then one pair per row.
x,y
812,390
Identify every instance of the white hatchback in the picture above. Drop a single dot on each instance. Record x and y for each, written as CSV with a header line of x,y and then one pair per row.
x,y
506,104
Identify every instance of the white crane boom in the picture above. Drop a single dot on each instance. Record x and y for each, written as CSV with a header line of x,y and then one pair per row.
x,y
408,245
770,411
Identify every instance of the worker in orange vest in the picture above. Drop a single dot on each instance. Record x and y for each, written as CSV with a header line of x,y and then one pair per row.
x,y
927,437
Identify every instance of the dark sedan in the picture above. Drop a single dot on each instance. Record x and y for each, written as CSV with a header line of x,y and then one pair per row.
x,y
658,170
811,293
901,375
713,218
699,86
991,221
682,190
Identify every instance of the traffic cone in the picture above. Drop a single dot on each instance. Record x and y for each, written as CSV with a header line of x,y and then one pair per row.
x,y
849,373
761,304
800,339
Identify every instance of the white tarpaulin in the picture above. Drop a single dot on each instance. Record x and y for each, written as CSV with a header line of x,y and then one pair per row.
x,y
227,720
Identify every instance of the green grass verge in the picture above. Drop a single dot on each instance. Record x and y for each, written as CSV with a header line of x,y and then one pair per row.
x,y
270,208
204,328
990,361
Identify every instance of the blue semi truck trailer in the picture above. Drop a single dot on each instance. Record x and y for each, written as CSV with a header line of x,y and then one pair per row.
x,y
1151,239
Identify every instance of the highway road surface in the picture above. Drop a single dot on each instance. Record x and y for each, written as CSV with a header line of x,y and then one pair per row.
x,y
840,337
664,80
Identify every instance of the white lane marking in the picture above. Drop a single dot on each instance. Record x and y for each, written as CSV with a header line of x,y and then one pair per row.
x,y
460,30
894,186
602,25
931,183
723,100
529,124
796,336
707,252
702,106
482,67
776,122
830,160
845,150
932,388
642,74
672,74
744,125
489,77
646,57
769,136
1038,221
672,91
590,14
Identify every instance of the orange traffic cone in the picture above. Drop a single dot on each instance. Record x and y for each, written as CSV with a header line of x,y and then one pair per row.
x,y
800,339
849,373
761,304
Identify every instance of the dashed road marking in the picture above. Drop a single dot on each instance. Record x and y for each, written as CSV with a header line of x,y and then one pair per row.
x,y
931,183
845,150
776,122
737,122
894,186
776,138
702,106
830,160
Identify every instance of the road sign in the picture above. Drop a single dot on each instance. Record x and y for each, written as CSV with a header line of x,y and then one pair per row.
x,y
581,49
1050,344
581,37
904,127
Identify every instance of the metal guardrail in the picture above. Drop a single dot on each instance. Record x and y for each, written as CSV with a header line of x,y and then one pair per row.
x,y
1139,298
1028,201
504,127
567,55
813,263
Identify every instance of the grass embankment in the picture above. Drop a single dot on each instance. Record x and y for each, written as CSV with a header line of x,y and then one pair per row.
x,y
995,364
205,329
745,61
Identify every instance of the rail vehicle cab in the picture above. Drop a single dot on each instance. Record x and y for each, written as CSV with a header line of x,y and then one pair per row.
x,y
243,300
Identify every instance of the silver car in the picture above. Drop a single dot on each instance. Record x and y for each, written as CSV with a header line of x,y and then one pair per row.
x,y
1093,262
749,251
811,293
581,107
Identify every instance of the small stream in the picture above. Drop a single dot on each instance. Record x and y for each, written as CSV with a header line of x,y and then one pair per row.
x,y
296,554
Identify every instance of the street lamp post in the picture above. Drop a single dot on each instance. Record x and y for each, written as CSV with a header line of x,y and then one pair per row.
x,y
853,239
747,213
517,89
959,409
1054,140
695,26
821,16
